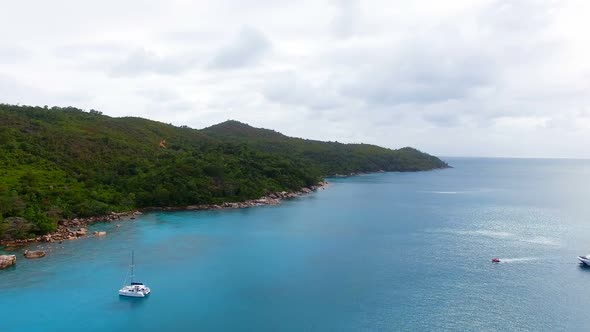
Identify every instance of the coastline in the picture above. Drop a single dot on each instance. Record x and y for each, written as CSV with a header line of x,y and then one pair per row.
x,y
72,229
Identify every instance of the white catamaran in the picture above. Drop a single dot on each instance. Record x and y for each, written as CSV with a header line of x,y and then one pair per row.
x,y
134,289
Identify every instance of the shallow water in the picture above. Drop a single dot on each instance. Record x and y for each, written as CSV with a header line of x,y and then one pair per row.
x,y
394,251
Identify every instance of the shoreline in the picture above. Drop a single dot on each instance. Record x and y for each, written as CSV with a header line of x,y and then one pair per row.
x,y
72,229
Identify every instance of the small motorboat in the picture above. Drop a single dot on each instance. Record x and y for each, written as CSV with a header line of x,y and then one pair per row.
x,y
495,260
584,259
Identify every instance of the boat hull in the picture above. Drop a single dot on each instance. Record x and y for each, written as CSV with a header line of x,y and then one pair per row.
x,y
131,291
584,260
132,294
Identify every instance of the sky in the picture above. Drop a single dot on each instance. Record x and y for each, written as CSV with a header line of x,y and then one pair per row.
x,y
492,78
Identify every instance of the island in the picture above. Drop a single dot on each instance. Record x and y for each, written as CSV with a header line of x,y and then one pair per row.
x,y
64,164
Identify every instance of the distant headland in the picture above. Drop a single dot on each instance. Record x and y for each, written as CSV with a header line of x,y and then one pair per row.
x,y
58,164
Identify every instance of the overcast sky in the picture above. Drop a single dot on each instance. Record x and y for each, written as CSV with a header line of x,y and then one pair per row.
x,y
452,78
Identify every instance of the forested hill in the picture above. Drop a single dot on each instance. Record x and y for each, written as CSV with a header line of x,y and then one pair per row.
x,y
63,162
330,158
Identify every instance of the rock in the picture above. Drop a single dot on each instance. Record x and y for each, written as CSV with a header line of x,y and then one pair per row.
x,y
100,233
306,190
231,205
34,253
9,243
137,213
81,232
116,216
7,260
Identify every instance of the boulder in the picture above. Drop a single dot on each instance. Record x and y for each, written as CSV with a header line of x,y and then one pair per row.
x,y
9,243
7,260
100,233
262,200
34,253
81,231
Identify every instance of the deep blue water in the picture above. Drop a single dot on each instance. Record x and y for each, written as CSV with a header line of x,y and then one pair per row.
x,y
393,251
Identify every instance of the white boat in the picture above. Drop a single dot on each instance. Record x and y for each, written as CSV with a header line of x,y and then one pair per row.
x,y
134,289
584,259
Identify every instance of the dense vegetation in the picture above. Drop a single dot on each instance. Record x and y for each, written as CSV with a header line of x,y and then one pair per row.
x,y
60,163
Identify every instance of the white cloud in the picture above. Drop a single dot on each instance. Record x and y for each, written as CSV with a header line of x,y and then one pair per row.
x,y
141,61
246,49
290,90
13,53
486,77
14,91
347,19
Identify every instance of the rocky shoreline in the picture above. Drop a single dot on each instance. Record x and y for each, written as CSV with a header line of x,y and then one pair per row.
x,y
76,228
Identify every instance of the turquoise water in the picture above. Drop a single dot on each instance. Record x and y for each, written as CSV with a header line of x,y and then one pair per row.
x,y
394,251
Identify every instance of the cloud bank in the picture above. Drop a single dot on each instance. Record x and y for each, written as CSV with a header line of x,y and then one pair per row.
x,y
486,77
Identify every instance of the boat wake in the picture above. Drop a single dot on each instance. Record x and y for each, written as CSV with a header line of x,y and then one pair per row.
x,y
486,233
519,260
539,240
492,234
445,192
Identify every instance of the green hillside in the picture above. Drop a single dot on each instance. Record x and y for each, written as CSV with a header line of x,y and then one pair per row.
x,y
60,163
330,158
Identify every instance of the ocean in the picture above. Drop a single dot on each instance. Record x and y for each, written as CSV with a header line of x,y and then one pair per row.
x,y
375,252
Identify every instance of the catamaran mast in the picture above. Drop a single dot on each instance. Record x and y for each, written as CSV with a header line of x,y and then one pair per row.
x,y
132,264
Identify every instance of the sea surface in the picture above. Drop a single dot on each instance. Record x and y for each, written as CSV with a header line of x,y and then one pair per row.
x,y
376,252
